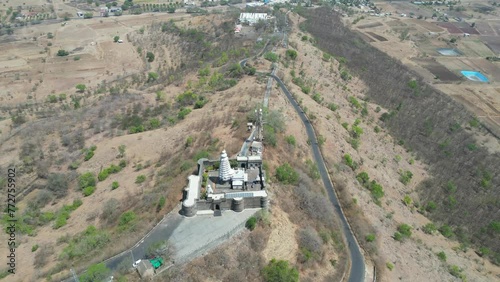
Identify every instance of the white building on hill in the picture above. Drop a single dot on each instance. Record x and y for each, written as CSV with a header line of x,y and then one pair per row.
x,y
253,18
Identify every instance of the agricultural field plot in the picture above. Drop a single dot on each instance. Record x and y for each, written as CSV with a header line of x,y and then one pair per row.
x,y
430,26
484,28
365,37
396,23
452,28
495,26
474,48
439,71
370,25
493,42
483,100
456,65
429,45
376,36
469,30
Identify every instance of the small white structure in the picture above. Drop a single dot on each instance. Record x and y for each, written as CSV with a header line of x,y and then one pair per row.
x,y
254,4
238,179
80,14
104,11
238,28
225,170
253,18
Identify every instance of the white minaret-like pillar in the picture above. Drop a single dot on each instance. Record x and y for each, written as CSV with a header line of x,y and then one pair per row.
x,y
225,170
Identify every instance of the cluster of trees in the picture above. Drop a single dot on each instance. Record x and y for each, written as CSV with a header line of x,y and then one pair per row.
x,y
376,189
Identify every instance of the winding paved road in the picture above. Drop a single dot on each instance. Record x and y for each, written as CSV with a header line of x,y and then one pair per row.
x,y
357,273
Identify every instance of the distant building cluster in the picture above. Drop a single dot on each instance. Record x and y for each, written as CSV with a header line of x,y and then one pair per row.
x,y
253,18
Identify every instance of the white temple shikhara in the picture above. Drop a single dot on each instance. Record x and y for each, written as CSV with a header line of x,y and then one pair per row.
x,y
225,170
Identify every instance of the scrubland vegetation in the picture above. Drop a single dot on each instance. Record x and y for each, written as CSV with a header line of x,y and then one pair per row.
x,y
55,157
430,124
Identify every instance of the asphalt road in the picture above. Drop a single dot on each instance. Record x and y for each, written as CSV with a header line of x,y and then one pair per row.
x,y
357,273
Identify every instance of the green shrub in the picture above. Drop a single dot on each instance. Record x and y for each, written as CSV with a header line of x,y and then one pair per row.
x,y
472,147
446,231
62,53
429,228
279,271
349,162
76,203
123,163
483,251
286,174
407,200
270,56
47,217
441,256
140,179
85,243
87,191
405,177
34,248
290,139
345,75
161,203
405,230
115,185
312,170
103,175
150,56
183,112
89,155
332,107
413,84
74,165
457,272
96,272
390,266
354,102
251,223
398,236
87,179
377,190
474,122
52,99
186,165
494,227
370,237
317,98
291,54
153,76
363,179
61,220
354,143
431,206
356,131
126,220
